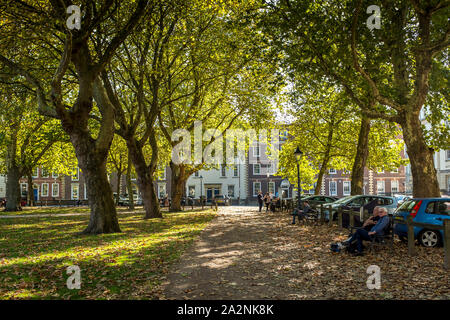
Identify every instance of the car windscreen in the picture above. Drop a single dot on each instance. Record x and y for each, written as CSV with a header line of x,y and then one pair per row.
x,y
344,199
408,205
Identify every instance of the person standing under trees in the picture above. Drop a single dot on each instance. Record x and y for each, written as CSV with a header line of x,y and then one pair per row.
x,y
267,201
260,200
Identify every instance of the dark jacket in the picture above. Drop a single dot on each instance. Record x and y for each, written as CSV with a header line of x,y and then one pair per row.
x,y
260,198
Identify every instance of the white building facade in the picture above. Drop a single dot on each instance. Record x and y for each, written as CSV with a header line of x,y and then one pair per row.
x,y
2,186
442,164
228,180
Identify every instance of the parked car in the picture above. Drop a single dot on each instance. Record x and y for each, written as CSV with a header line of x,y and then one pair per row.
x,y
358,201
124,200
222,199
317,200
401,198
426,210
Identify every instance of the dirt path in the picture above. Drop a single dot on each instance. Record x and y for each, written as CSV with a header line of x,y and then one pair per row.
x,y
244,254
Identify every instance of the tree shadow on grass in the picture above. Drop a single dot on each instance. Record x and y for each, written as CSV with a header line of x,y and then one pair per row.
x,y
47,256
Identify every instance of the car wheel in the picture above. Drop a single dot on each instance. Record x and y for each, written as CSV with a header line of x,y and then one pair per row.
x,y
429,238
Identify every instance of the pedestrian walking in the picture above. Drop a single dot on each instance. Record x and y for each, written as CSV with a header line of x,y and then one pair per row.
x,y
260,200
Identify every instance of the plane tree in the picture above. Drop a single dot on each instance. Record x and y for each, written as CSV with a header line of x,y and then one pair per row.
x,y
72,57
385,71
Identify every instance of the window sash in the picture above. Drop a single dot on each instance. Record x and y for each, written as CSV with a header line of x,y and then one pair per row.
x,y
55,190
333,188
394,186
347,188
380,186
231,188
75,192
44,190
256,188
271,187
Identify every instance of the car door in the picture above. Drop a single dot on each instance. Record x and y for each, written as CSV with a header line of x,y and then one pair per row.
x,y
329,200
356,203
436,212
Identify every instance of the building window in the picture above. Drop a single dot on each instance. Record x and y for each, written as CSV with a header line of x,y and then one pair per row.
x,y
332,171
75,193
35,173
44,190
394,186
85,192
347,188
55,190
196,174
162,190
271,168
45,173
448,184
76,174
256,150
256,188
333,188
380,171
223,172
235,171
23,189
395,170
231,190
271,187
55,175
257,168
380,187
448,154
191,191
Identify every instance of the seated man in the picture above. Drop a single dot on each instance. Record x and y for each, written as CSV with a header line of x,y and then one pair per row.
x,y
301,213
363,234
370,222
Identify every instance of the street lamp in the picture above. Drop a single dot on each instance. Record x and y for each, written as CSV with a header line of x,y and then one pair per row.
x,y
298,155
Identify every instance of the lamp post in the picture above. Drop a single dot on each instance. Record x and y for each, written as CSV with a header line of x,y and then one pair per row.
x,y
298,155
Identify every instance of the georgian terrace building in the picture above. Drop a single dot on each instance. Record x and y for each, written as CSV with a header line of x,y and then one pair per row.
x,y
50,186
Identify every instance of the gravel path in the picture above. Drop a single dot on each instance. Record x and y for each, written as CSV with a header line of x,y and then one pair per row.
x,y
243,254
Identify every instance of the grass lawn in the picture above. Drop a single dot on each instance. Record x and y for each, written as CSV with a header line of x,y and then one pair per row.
x,y
47,210
35,253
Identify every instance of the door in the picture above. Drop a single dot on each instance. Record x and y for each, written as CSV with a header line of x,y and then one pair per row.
x,y
436,212
209,194
35,193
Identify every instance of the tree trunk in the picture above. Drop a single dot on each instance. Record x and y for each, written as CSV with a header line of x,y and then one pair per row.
x,y
178,181
92,162
119,176
323,167
362,153
13,175
144,180
129,184
150,200
13,189
30,195
103,211
425,183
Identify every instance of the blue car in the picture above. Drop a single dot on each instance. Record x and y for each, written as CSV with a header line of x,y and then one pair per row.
x,y
425,210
